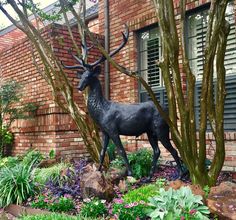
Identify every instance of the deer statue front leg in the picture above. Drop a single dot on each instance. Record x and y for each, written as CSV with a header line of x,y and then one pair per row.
x,y
104,149
116,140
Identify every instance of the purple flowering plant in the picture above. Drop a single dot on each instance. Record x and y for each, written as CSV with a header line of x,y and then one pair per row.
x,y
71,184
58,195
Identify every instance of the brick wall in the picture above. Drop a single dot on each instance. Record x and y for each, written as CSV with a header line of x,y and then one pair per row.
x,y
51,128
10,38
139,14
93,25
11,35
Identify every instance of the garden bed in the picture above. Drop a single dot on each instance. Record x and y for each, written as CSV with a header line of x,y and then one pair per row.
x,y
72,190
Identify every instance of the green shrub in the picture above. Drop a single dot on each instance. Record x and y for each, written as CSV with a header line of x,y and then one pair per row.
x,y
111,151
177,204
16,184
8,162
61,204
53,173
53,216
52,154
93,209
10,95
141,194
140,162
32,155
134,203
6,138
117,163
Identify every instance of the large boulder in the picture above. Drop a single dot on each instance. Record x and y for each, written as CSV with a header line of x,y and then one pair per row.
x,y
94,184
222,200
196,189
115,175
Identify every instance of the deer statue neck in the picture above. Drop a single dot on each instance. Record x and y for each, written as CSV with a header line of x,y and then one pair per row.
x,y
97,104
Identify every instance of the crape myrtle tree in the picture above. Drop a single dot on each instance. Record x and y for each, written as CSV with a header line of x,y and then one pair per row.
x,y
190,141
48,65
184,133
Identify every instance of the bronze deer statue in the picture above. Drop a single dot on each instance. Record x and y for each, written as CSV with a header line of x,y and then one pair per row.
x,y
115,119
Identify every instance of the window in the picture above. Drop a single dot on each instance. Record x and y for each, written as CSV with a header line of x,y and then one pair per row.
x,y
196,32
149,53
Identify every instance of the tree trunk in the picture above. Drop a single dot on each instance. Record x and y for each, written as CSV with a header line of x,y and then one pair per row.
x,y
193,152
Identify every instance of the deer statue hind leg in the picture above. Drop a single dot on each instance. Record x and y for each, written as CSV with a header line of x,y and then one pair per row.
x,y
165,140
156,154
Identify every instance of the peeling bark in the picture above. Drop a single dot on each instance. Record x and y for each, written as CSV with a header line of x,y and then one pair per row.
x,y
192,151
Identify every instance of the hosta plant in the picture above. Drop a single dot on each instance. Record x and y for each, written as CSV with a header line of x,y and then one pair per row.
x,y
177,204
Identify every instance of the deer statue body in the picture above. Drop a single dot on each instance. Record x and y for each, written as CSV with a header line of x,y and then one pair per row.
x,y
117,119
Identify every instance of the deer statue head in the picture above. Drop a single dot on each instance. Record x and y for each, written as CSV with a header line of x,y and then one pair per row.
x,y
87,72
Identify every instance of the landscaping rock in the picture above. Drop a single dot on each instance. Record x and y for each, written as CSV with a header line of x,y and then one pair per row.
x,y
47,163
222,200
18,210
131,180
196,189
115,175
123,186
177,184
6,216
94,184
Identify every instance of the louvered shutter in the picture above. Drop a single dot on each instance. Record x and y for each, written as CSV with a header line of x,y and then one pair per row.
x,y
153,54
200,38
149,53
230,55
230,104
197,25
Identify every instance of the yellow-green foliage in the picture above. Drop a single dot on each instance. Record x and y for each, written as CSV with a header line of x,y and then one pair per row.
x,y
53,173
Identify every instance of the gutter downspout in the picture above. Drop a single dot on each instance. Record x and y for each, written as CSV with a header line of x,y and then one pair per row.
x,y
107,47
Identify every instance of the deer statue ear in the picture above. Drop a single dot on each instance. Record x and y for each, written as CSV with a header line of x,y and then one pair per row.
x,y
79,74
97,70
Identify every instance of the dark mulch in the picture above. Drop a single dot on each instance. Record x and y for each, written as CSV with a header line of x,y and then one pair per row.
x,y
170,173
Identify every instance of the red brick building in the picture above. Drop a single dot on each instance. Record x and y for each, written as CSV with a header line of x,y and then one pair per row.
x,y
144,47
55,129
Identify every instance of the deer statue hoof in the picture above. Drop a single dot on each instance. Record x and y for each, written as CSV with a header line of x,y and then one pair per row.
x,y
129,173
100,168
146,179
